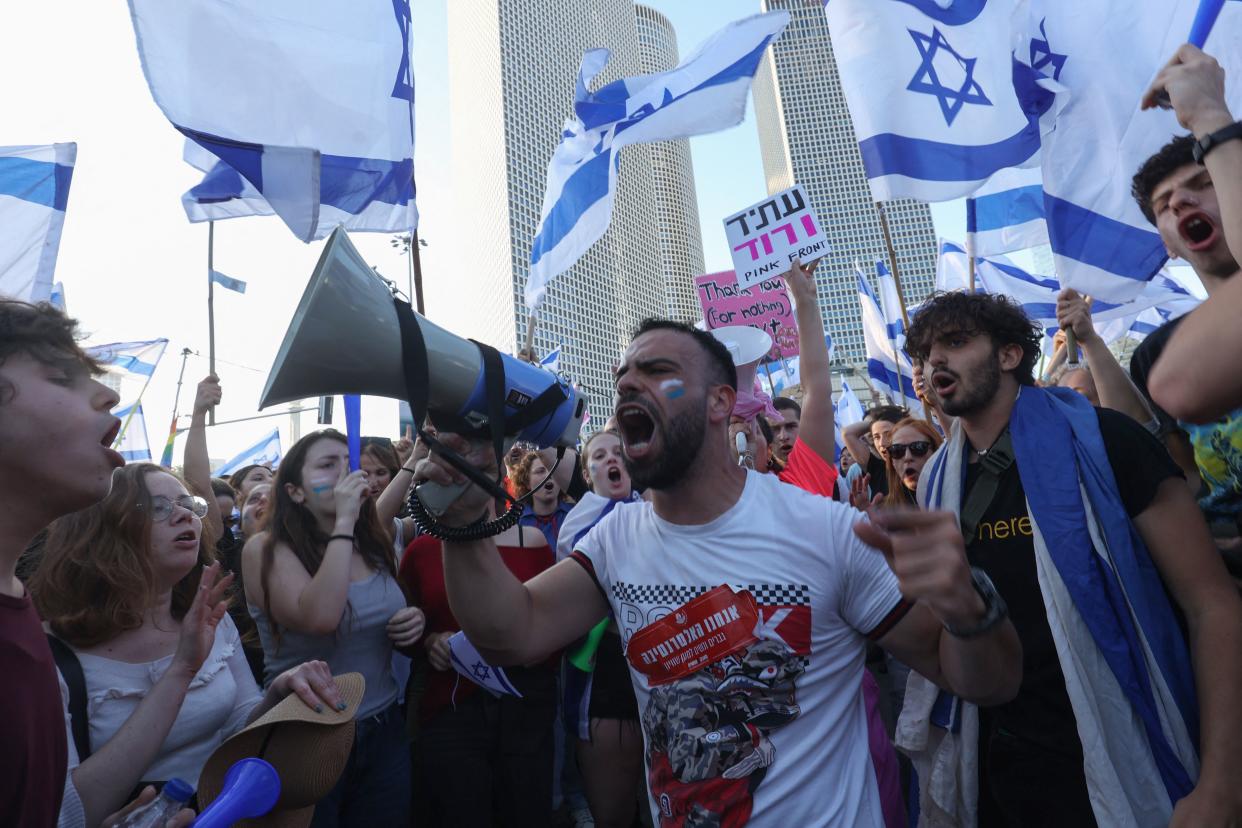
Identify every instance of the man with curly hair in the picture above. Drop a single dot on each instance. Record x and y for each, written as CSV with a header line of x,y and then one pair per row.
x,y
1091,536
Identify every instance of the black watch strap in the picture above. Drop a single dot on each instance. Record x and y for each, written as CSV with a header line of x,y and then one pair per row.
x,y
1213,139
995,608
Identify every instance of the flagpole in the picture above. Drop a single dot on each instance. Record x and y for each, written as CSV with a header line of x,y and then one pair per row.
x,y
120,435
416,274
185,355
211,313
892,257
767,367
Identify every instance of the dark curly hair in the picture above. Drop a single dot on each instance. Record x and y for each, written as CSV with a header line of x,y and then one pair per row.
x,y
719,361
42,332
999,317
1176,153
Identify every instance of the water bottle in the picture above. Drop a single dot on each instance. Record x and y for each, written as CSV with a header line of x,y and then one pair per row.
x,y
154,814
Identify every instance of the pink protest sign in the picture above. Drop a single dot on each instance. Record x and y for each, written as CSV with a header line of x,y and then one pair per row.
x,y
765,305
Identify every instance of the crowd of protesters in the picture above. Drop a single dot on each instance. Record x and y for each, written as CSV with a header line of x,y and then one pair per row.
x,y
1019,609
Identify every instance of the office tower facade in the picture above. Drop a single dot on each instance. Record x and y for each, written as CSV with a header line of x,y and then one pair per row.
x,y
512,69
677,211
806,137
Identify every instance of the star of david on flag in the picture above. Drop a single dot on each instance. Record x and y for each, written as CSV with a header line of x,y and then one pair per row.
x,y
1043,60
927,78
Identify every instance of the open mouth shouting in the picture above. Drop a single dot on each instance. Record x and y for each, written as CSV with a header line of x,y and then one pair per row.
x,y
1197,230
638,428
108,439
186,540
614,474
945,382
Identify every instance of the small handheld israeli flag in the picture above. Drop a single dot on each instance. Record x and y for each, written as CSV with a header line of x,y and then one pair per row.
x,y
138,358
552,361
266,452
467,661
228,282
132,444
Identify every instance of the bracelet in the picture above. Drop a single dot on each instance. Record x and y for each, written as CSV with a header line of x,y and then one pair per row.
x,y
995,608
403,469
349,538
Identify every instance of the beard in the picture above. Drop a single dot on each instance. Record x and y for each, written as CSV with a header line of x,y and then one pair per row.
x,y
976,389
680,442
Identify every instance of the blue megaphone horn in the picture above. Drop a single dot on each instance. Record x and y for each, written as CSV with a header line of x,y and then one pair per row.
x,y
251,788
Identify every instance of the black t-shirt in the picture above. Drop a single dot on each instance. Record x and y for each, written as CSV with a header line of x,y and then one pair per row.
x,y
1144,359
878,472
1003,547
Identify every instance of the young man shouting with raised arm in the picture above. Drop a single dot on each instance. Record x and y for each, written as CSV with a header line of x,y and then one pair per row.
x,y
1087,529
744,605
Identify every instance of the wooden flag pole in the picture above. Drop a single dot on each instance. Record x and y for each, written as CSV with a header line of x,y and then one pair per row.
x,y
892,258
211,310
529,347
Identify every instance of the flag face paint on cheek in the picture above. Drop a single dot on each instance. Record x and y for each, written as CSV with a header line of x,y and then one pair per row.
x,y
673,388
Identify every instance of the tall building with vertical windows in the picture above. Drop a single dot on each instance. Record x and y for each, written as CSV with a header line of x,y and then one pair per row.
x,y
512,69
681,240
806,137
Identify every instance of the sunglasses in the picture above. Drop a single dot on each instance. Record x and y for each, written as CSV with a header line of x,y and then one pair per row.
x,y
161,507
917,449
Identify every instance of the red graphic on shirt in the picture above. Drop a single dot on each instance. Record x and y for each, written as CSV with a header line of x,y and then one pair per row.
x,y
712,626
708,732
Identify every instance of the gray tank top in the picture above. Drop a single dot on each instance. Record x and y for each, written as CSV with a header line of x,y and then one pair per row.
x,y
360,644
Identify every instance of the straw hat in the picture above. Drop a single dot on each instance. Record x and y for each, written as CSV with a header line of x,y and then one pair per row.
x,y
308,749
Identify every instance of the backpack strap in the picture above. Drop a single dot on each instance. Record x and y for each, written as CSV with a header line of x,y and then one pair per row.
x,y
993,465
71,670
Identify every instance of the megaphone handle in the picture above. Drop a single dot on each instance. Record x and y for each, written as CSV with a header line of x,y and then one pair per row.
x,y
436,498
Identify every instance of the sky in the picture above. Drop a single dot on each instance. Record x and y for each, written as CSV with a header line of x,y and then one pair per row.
x,y
135,269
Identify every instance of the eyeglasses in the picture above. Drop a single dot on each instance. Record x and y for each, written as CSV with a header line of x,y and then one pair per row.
x,y
917,449
161,507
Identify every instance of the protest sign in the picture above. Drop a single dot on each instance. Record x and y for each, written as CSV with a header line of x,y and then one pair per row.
x,y
765,306
767,236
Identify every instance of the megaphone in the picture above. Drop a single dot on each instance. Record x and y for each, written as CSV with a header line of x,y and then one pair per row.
x,y
747,346
352,335
251,789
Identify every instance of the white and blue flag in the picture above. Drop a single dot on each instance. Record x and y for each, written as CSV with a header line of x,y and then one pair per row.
x,y
847,411
228,282
705,93
307,107
930,87
467,661
132,441
223,193
552,361
138,358
1007,213
34,190
1098,58
266,452
887,364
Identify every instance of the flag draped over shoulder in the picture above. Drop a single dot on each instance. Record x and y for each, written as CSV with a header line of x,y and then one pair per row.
x,y
306,107
931,91
34,191
133,444
705,93
1098,58
265,452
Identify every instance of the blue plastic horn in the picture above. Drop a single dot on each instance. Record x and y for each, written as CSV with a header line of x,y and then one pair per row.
x,y
251,788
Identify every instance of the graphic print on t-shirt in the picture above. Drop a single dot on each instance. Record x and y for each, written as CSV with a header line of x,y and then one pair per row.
x,y
708,732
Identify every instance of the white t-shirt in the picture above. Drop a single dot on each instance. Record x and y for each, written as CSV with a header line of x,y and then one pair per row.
x,y
773,734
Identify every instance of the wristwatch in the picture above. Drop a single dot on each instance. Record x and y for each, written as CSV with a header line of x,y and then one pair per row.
x,y
995,608
1210,141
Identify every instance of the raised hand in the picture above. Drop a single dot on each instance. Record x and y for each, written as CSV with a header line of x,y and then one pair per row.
x,y
406,626
926,552
1192,83
801,280
473,502
349,493
198,627
860,493
208,394
1074,312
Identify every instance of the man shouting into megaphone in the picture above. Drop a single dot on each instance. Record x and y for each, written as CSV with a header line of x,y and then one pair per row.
x,y
744,604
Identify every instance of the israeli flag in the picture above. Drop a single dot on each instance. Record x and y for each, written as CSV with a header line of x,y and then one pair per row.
x,y
467,661
930,87
132,441
34,190
266,452
890,304
887,364
1007,213
552,361
1098,58
137,358
228,282
705,93
306,107
848,410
